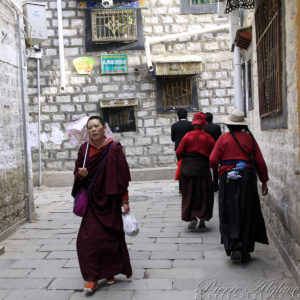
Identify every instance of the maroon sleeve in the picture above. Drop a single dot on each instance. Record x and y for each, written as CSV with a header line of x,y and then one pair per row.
x,y
118,172
78,164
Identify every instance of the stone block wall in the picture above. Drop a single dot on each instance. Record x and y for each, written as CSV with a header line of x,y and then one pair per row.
x,y
280,148
150,145
13,209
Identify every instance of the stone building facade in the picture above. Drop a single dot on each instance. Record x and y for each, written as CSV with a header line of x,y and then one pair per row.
x,y
13,184
149,145
278,134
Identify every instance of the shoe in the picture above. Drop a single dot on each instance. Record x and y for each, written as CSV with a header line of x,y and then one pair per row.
x,y
202,226
91,286
236,257
193,224
110,280
246,257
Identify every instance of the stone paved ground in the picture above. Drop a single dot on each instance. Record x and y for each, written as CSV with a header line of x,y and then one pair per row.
x,y
169,262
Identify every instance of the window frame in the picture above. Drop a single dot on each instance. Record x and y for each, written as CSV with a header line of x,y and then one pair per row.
x,y
279,120
123,128
187,8
121,46
171,109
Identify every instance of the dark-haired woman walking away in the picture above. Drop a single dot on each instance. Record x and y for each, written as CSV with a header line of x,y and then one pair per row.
x,y
241,220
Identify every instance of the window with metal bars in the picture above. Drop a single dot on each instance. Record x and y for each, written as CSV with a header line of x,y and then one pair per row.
x,y
196,2
120,119
268,37
199,6
113,25
176,91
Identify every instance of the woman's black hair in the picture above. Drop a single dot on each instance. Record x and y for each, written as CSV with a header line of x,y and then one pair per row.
x,y
96,118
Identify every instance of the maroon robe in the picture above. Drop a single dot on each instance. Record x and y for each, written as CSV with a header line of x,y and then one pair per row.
x,y
101,246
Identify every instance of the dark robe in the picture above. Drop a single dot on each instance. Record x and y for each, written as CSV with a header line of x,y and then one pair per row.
x,y
101,246
197,187
241,219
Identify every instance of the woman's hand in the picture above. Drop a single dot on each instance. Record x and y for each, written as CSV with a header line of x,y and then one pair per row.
x,y
83,172
264,189
126,208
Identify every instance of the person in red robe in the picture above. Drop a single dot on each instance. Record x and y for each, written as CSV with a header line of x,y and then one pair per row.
x,y
240,159
197,188
101,247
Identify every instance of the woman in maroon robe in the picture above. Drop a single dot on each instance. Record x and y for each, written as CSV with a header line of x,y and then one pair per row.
x,y
101,246
195,176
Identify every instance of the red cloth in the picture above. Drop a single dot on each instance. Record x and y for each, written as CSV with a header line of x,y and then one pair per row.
x,y
101,246
196,141
177,174
226,148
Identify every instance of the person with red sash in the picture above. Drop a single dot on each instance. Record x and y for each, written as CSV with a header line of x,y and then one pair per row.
x,y
101,247
240,162
197,187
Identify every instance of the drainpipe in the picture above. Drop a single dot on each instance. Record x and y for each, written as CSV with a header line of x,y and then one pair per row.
x,y
27,192
39,119
61,46
155,40
238,95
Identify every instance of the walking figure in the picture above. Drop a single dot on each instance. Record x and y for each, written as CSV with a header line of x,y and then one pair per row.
x,y
240,160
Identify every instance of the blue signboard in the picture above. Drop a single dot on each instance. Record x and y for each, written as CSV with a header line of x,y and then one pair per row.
x,y
114,64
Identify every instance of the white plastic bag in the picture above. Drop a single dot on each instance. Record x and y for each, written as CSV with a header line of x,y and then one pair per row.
x,y
130,225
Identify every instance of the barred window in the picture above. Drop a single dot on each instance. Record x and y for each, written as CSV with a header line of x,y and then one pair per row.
x,y
267,23
176,91
199,6
120,119
113,25
195,2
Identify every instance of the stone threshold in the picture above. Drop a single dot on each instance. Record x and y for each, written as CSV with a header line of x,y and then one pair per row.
x,y
65,178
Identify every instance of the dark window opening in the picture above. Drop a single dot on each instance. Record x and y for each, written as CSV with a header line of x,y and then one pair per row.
x,y
199,6
249,83
176,91
120,119
267,22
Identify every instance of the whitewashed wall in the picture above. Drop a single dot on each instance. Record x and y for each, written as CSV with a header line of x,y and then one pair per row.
x,y
12,171
150,146
280,148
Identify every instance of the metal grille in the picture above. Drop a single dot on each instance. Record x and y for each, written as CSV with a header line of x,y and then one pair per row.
x,y
120,119
177,91
267,22
236,4
113,25
195,2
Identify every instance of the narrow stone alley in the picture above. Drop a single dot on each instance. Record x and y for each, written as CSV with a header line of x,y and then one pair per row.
x,y
168,260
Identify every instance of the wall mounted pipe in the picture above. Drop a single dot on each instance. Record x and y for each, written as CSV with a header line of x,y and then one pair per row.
x,y
238,94
27,186
61,46
39,119
155,40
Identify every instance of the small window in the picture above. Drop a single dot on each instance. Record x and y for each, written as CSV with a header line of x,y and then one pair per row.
x,y
268,36
199,6
113,25
176,91
120,119
249,84
196,2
